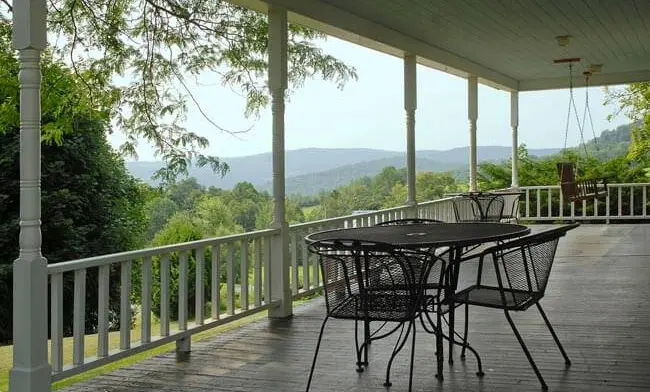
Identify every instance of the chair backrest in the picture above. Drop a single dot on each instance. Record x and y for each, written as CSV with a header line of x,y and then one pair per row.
x,y
491,207
523,265
363,271
463,209
409,221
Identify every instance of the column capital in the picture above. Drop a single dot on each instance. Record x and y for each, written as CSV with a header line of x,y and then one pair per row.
x,y
29,24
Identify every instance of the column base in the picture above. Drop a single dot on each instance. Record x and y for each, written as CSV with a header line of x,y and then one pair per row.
x,y
30,379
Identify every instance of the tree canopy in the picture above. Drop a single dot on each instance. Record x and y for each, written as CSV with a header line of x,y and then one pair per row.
x,y
140,60
634,101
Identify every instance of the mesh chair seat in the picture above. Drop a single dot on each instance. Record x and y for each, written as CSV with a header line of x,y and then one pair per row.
x,y
489,296
377,307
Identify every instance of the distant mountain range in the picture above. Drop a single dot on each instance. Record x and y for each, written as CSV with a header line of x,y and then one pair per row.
x,y
311,170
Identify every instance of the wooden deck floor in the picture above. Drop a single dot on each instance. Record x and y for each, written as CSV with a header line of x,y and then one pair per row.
x,y
598,299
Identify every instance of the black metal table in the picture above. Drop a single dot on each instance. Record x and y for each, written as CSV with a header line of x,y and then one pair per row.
x,y
456,236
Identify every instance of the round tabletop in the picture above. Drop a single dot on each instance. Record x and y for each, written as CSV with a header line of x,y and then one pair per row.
x,y
426,235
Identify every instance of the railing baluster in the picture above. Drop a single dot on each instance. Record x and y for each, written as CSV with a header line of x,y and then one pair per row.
x,y
267,269
305,265
561,211
595,207
549,206
620,201
243,281
125,305
198,285
230,280
607,206
145,302
182,290
79,316
584,208
527,203
257,276
216,282
164,295
631,200
539,203
103,295
645,201
56,295
294,264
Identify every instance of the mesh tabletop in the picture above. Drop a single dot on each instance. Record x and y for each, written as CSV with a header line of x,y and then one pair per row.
x,y
419,235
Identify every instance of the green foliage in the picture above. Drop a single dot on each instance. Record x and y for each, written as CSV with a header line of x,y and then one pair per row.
x,y
90,204
158,50
634,101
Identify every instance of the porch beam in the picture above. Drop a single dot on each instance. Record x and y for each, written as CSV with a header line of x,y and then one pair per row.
x,y
597,79
280,289
31,370
410,105
514,125
339,23
472,115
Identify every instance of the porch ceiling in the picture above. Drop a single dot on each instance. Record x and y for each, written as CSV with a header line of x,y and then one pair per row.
x,y
508,44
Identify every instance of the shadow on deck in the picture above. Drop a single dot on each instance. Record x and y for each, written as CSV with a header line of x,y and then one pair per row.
x,y
598,300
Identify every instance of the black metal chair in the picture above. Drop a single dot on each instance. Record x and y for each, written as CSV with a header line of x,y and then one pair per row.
x,y
521,268
370,281
478,208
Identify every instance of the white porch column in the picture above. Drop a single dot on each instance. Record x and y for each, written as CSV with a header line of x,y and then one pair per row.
x,y
514,124
410,105
280,289
472,115
31,370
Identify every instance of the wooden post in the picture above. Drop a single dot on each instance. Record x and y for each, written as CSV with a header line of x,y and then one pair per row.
x,y
514,124
278,35
410,105
472,114
31,370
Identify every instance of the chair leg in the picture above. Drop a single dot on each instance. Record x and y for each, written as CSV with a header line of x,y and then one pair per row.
x,y
440,357
462,352
398,347
567,361
523,346
313,363
452,312
412,355
359,348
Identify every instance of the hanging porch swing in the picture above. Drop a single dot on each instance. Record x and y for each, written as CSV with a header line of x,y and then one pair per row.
x,y
573,186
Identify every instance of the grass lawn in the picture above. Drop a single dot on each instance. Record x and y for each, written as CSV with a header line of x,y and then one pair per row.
x,y
6,352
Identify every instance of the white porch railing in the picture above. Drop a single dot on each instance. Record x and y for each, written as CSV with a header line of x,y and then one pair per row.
x,y
253,250
249,255
623,202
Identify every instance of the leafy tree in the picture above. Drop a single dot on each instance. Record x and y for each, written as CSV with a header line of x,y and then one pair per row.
x,y
185,193
158,212
634,101
160,48
90,204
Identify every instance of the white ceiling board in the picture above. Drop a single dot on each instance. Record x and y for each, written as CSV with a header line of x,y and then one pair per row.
x,y
509,44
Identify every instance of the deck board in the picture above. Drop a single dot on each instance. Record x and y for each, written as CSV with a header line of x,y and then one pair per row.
x,y
598,299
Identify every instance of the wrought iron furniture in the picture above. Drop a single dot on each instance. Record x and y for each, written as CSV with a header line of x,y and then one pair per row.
x,y
370,281
478,207
521,268
415,238
409,221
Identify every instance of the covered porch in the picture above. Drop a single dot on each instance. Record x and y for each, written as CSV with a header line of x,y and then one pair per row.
x,y
506,46
597,300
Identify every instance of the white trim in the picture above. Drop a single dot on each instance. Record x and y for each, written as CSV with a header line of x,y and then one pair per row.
x,y
578,81
352,28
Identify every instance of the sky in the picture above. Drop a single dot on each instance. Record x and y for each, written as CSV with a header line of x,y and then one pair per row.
x,y
369,112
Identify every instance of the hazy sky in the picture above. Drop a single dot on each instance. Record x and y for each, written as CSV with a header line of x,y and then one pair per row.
x,y
369,112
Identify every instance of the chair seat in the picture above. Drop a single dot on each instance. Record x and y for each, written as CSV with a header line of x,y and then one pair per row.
x,y
379,307
490,296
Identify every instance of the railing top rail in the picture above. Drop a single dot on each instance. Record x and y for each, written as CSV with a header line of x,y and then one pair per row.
x,y
329,221
613,185
426,203
96,261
